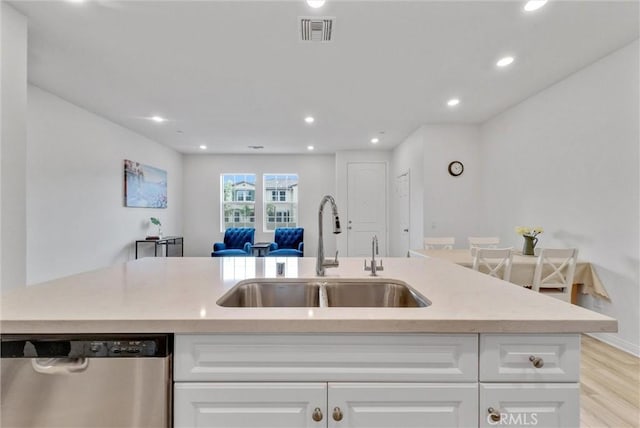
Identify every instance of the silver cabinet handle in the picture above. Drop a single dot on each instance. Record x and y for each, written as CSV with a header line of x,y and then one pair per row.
x,y
337,414
317,414
537,361
494,414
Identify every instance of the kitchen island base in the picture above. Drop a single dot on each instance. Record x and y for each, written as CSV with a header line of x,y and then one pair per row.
x,y
376,380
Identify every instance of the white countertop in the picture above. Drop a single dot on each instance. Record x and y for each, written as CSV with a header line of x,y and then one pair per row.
x,y
178,295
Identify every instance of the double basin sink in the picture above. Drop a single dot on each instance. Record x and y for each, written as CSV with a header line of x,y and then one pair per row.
x,y
317,292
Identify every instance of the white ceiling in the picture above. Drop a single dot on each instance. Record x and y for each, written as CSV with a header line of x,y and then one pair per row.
x,y
230,74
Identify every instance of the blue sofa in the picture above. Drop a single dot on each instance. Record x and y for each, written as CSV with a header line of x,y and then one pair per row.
x,y
237,243
288,242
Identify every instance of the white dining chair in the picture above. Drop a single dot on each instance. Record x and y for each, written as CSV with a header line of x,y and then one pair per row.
x,y
555,269
493,260
445,243
483,242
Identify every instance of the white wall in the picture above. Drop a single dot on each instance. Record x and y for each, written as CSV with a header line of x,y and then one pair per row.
x,y
451,204
567,159
201,193
407,156
75,212
441,205
13,142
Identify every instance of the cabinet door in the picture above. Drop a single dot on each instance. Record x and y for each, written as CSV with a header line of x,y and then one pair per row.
x,y
402,405
250,405
530,404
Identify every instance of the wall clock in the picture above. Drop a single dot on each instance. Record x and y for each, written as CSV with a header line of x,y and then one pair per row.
x,y
456,168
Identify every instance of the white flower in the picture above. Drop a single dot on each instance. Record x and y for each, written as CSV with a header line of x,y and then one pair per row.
x,y
529,231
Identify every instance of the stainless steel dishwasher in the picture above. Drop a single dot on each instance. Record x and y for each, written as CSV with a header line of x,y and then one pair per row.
x,y
86,381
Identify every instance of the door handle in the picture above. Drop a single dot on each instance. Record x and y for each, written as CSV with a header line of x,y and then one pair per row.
x,y
405,230
59,365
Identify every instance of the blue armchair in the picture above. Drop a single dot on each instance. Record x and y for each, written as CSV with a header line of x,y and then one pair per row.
x,y
288,242
237,242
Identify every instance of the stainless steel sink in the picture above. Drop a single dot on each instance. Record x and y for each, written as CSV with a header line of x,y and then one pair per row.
x,y
373,294
271,294
355,293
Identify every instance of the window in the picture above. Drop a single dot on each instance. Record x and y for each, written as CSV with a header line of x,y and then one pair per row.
x,y
237,200
245,195
279,195
280,201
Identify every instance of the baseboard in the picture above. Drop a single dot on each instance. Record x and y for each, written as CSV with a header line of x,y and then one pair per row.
x,y
616,342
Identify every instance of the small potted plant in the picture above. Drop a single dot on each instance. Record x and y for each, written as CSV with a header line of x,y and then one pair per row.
x,y
529,234
156,221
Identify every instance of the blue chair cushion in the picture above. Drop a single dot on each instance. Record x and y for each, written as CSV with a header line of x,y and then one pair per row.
x,y
237,242
288,241
230,253
286,252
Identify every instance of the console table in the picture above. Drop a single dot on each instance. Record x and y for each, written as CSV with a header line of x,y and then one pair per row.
x,y
166,241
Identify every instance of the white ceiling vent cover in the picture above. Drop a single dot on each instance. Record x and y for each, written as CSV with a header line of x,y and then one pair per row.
x,y
316,29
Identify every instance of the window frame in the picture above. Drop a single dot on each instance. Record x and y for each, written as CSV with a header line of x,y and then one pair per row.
x,y
284,208
239,204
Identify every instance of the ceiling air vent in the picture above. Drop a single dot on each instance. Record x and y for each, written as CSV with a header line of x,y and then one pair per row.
x,y
316,29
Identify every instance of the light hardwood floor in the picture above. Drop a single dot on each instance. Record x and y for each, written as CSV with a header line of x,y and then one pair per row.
x,y
609,387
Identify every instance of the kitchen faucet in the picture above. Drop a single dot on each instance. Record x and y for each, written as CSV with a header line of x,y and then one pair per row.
x,y
321,263
373,265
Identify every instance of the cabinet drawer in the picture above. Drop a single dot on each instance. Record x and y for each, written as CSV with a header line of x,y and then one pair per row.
x,y
548,405
529,357
326,357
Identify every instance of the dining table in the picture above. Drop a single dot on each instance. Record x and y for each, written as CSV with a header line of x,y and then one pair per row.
x,y
586,279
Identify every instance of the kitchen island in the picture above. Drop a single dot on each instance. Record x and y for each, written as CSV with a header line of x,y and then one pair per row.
x,y
483,352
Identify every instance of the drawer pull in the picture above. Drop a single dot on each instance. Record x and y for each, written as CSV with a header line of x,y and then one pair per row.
x,y
317,414
494,414
337,414
537,361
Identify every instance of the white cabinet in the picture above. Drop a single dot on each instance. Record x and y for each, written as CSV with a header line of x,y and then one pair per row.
x,y
402,405
336,405
249,405
376,380
529,357
546,405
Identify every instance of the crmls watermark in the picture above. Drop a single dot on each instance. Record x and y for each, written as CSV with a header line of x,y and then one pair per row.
x,y
520,419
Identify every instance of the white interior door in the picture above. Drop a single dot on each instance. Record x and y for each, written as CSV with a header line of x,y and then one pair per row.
x,y
366,207
403,186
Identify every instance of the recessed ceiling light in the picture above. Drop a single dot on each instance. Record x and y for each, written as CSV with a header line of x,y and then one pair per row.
x,y
503,62
158,119
310,148
534,5
375,140
75,1
453,102
203,147
309,119
315,3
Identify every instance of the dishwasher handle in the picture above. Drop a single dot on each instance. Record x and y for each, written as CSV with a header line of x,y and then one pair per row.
x,y
59,365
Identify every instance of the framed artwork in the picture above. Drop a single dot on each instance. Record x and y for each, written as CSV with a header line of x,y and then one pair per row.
x,y
144,186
